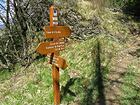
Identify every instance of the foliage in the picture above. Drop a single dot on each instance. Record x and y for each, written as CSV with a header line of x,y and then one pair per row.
x,y
21,21
131,90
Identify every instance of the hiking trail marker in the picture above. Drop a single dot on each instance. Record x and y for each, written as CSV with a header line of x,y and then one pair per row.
x,y
52,49
57,31
45,48
58,61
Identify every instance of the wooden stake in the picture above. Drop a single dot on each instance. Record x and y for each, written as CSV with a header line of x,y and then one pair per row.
x,y
55,70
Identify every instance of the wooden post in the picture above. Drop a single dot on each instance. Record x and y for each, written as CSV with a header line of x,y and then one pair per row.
x,y
57,44
55,70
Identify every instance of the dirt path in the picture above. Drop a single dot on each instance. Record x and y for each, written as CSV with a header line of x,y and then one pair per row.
x,y
120,66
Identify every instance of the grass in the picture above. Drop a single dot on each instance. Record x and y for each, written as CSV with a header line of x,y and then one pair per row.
x,y
131,89
5,74
37,88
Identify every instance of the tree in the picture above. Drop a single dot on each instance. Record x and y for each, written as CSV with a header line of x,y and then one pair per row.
x,y
20,18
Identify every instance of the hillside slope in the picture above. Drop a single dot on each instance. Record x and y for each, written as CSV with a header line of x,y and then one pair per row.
x,y
103,69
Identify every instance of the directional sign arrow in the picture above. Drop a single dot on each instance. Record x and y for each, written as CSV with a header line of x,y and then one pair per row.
x,y
59,62
45,48
57,31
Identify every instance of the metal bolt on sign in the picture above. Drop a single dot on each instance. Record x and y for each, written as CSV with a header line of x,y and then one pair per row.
x,y
52,49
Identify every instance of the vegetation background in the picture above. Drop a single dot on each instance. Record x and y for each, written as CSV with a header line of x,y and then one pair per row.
x,y
103,52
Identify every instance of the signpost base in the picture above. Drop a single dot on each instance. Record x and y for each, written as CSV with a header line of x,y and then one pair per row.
x,y
55,75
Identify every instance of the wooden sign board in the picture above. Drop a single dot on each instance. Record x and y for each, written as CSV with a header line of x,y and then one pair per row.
x,y
45,48
57,31
59,62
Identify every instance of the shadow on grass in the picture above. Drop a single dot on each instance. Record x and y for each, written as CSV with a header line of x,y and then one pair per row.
x,y
97,83
99,77
66,89
132,7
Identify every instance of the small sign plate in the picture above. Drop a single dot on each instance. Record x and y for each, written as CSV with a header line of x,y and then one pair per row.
x,y
59,62
57,31
45,48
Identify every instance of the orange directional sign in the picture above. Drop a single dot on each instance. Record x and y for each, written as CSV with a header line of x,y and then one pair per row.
x,y
59,62
57,31
45,48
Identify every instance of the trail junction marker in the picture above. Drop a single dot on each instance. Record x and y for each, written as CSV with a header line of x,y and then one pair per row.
x,y
52,49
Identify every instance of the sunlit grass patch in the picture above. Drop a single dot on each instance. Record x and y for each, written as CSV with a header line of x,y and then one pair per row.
x,y
131,88
5,74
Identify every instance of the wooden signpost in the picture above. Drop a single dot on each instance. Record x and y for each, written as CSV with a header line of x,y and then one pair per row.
x,y
52,49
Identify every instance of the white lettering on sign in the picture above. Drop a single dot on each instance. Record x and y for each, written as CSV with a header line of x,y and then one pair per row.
x,y
55,23
56,47
53,32
55,18
50,47
57,43
61,42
